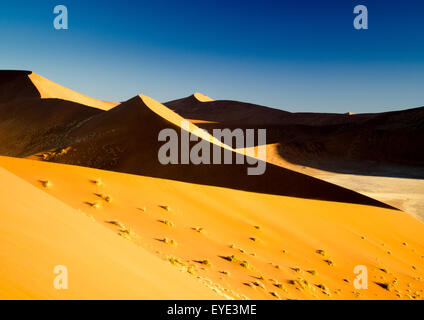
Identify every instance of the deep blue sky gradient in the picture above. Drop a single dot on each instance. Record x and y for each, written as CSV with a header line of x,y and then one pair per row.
x,y
295,55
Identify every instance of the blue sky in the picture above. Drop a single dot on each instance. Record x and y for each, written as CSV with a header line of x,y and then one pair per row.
x,y
294,55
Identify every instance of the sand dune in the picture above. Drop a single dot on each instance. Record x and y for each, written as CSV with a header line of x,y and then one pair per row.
x,y
31,126
39,232
142,230
125,139
274,239
334,142
355,151
24,85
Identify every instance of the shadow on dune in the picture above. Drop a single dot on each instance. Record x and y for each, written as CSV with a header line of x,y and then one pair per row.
x,y
30,126
15,85
125,139
380,144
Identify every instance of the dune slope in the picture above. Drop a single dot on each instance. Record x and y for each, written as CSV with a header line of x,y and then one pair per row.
x,y
125,139
241,244
27,85
39,232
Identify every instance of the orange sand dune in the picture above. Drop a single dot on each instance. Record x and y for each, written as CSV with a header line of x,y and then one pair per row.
x,y
24,85
39,232
274,239
125,139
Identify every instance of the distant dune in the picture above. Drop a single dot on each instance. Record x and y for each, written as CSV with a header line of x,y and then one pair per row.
x,y
374,147
89,193
23,85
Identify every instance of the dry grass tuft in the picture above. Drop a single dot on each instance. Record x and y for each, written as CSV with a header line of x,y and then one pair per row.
x,y
95,204
175,261
198,229
168,241
205,262
231,258
329,262
302,283
258,284
46,183
321,252
97,182
385,285
167,222
104,197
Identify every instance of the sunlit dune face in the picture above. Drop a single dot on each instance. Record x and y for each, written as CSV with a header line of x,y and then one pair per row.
x,y
233,244
201,97
49,89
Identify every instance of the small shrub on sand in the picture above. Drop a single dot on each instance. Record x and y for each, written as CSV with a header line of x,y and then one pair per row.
x,y
169,241
296,269
224,272
258,284
254,239
190,270
116,223
278,285
142,209
46,183
231,258
125,234
167,222
198,229
97,182
329,262
313,272
95,204
302,283
274,294
104,197
323,288
245,264
167,208
175,261
257,227
249,284
386,285
205,262
321,252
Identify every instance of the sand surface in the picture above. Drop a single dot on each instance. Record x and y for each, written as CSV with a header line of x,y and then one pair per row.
x,y
82,188
194,228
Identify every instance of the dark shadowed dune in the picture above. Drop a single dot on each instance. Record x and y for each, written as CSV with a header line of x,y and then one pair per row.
x,y
386,144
